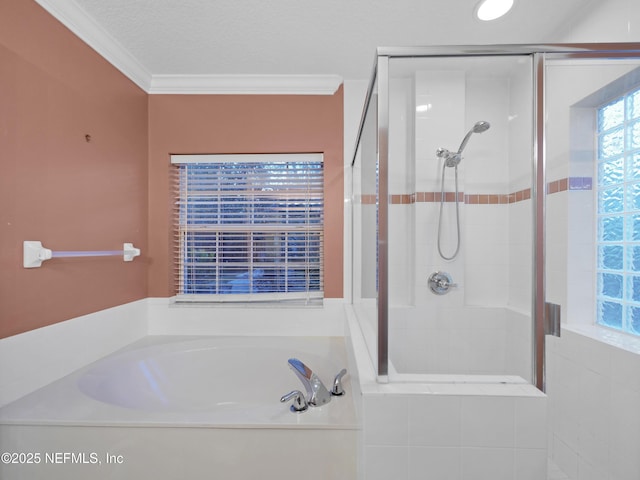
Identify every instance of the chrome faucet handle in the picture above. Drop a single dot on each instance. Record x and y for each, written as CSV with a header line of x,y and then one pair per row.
x,y
299,404
337,389
317,393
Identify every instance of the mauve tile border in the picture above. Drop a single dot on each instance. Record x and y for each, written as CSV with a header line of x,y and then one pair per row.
x,y
556,186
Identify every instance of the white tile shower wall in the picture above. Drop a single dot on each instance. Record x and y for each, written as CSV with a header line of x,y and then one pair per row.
x,y
431,335
449,103
426,257
485,161
401,244
520,129
593,386
594,420
580,251
570,253
556,249
439,122
486,248
400,181
520,254
481,270
33,359
401,112
486,170
518,348
459,340
456,437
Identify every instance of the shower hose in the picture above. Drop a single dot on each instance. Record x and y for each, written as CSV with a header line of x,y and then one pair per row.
x,y
442,200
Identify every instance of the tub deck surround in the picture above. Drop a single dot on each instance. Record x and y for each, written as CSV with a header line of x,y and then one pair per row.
x,y
44,355
33,359
191,453
170,407
180,381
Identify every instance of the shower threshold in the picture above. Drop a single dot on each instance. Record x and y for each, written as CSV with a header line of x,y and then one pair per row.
x,y
457,379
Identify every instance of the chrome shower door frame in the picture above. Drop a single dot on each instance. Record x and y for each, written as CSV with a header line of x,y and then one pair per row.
x,y
538,54
383,218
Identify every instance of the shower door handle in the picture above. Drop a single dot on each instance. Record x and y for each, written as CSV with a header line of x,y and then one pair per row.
x,y
552,319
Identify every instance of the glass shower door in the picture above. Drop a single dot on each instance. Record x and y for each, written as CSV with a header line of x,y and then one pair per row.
x,y
460,177
365,225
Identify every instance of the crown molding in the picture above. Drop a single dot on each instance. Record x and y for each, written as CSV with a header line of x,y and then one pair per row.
x,y
93,34
245,84
85,27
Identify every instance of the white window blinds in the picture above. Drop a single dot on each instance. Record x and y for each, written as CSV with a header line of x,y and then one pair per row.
x,y
249,227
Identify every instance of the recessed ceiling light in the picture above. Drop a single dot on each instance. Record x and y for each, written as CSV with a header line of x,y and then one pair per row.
x,y
492,9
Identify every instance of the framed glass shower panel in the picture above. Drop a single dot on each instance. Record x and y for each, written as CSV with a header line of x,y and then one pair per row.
x,y
460,173
365,201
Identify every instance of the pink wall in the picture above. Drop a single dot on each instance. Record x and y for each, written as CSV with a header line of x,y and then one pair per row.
x,y
243,124
54,185
76,195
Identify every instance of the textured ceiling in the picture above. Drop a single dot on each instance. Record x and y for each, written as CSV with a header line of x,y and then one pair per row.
x,y
305,37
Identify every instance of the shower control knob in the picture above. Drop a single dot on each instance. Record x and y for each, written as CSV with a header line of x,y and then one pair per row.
x,y
440,283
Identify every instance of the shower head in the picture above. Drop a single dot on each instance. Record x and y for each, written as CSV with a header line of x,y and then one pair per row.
x,y
479,127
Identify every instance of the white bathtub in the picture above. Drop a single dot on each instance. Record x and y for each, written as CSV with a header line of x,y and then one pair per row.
x,y
189,407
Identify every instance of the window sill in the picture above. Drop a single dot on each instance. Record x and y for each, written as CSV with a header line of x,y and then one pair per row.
x,y
261,304
608,336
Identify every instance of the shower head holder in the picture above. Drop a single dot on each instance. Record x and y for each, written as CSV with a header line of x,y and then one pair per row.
x,y
451,159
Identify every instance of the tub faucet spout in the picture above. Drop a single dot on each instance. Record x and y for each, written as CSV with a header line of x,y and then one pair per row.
x,y
317,393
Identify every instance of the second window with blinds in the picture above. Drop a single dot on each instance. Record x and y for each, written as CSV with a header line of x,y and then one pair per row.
x,y
249,227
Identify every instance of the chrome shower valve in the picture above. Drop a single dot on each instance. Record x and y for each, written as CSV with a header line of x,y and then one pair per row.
x,y
440,283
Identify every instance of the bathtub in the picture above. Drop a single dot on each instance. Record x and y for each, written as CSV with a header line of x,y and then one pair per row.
x,y
185,407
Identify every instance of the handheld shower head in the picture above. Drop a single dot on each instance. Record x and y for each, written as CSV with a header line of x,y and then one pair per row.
x,y
479,127
451,159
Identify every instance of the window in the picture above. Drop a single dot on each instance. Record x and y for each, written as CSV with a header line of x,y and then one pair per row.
x,y
249,227
618,215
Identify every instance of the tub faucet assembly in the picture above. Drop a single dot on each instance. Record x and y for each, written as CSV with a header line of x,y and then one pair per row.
x,y
317,393
299,402
337,390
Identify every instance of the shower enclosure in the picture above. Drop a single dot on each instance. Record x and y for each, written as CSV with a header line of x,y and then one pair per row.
x,y
458,152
